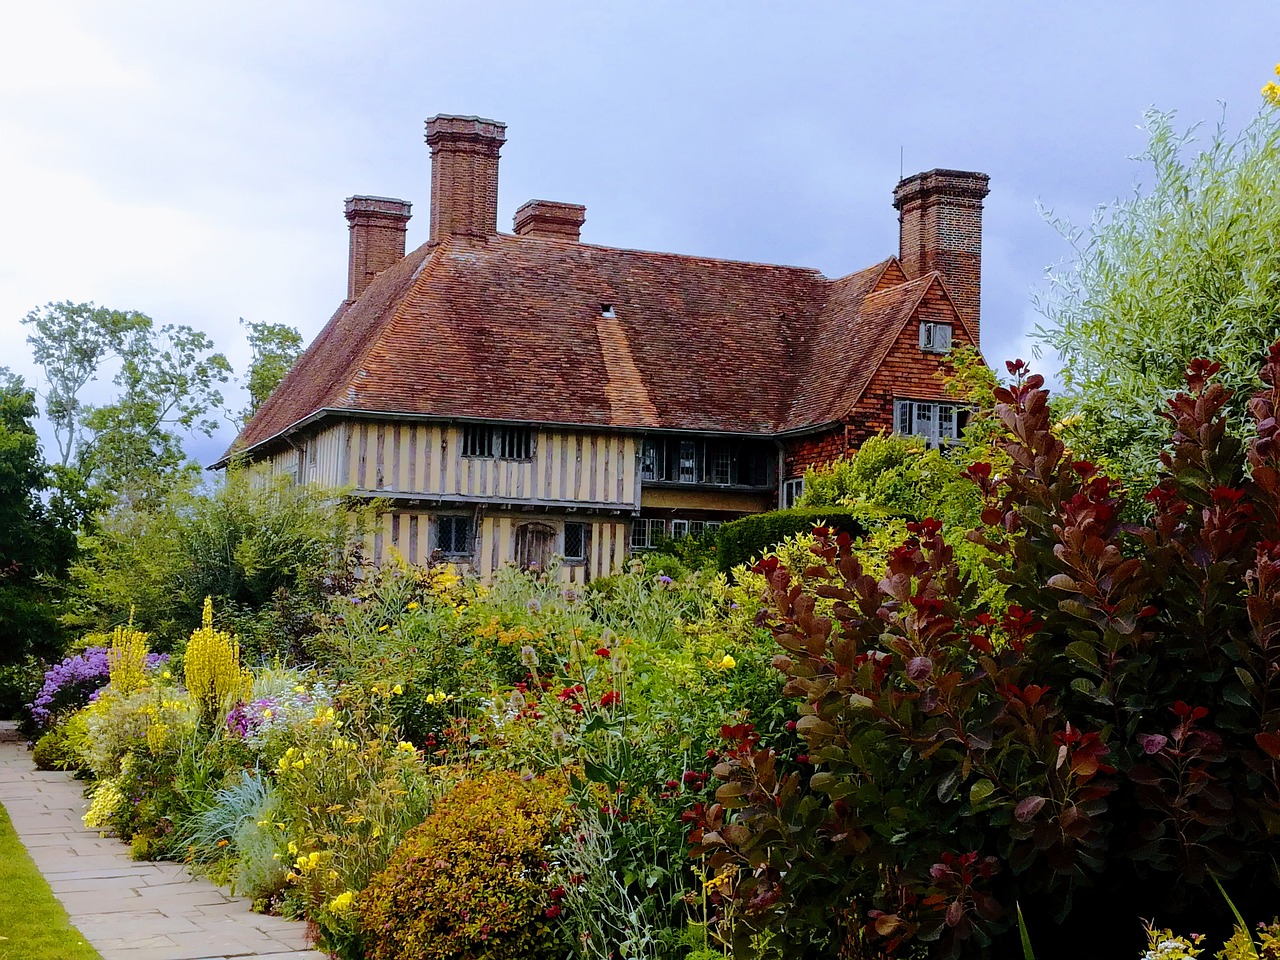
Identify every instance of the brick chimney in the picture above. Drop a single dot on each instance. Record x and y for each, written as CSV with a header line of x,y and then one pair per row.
x,y
464,175
377,238
940,228
549,219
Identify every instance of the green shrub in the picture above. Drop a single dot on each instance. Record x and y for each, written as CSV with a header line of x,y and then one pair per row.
x,y
1107,749
471,881
742,541
59,749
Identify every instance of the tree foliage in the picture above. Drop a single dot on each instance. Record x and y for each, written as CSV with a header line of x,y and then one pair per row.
x,y
1187,267
35,547
261,550
167,383
275,347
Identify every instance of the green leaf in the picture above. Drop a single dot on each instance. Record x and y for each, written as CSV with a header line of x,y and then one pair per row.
x,y
980,791
821,782
1253,951
1083,652
1025,937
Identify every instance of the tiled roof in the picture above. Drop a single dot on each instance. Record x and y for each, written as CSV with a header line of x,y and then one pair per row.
x,y
512,328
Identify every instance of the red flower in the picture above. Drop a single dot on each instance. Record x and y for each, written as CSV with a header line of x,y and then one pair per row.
x,y
553,911
610,698
602,651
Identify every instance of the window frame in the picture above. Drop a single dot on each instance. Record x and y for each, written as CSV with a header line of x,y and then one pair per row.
x,y
485,441
935,336
649,540
567,557
792,491
946,421
453,520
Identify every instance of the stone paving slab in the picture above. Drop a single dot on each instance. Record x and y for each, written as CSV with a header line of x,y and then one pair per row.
x,y
129,910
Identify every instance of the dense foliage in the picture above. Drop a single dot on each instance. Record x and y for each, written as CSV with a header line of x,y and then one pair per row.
x,y
265,552
1102,750
35,545
745,540
472,880
1188,267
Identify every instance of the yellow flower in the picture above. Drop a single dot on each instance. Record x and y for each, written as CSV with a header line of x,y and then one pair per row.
x,y
341,903
405,747
413,605
384,628
728,663
397,689
299,689
430,698
267,713
167,675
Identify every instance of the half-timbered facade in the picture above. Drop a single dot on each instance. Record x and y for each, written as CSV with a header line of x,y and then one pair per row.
x,y
527,398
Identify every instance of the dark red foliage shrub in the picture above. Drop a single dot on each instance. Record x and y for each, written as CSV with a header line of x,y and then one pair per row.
x,y
1095,753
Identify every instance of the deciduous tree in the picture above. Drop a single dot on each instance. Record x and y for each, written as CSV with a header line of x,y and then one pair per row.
x,y
1188,267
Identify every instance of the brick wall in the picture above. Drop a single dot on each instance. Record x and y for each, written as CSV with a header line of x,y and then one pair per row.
x,y
940,228
464,175
377,226
906,373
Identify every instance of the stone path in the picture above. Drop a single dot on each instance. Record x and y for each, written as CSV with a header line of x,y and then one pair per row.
x,y
129,910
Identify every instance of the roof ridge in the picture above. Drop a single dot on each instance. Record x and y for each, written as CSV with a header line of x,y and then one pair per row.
x,y
814,271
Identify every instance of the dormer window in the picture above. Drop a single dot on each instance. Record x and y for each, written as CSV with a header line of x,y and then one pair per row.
x,y
606,311
935,337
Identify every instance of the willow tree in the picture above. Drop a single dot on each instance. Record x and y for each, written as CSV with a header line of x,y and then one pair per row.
x,y
1187,267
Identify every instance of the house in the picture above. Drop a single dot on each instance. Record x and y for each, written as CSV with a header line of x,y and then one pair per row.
x,y
522,396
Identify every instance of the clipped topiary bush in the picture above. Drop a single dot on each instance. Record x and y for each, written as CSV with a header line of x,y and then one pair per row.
x,y
471,881
745,540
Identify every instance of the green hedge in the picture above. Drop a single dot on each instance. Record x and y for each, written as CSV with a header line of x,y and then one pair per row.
x,y
742,541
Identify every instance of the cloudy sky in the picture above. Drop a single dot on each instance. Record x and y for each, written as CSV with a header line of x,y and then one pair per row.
x,y
190,161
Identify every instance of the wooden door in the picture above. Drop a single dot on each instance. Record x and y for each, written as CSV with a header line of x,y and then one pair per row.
x,y
535,543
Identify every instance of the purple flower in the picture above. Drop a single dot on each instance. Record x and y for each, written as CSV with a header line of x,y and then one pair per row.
x,y
71,684
77,681
664,580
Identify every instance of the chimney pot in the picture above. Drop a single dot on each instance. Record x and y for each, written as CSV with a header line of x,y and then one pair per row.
x,y
940,228
464,175
377,228
550,219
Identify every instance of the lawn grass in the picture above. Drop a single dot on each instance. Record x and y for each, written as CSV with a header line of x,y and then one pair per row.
x,y
33,925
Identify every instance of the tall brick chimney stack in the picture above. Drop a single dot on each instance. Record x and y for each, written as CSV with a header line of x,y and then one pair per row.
x,y
377,238
940,228
464,175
